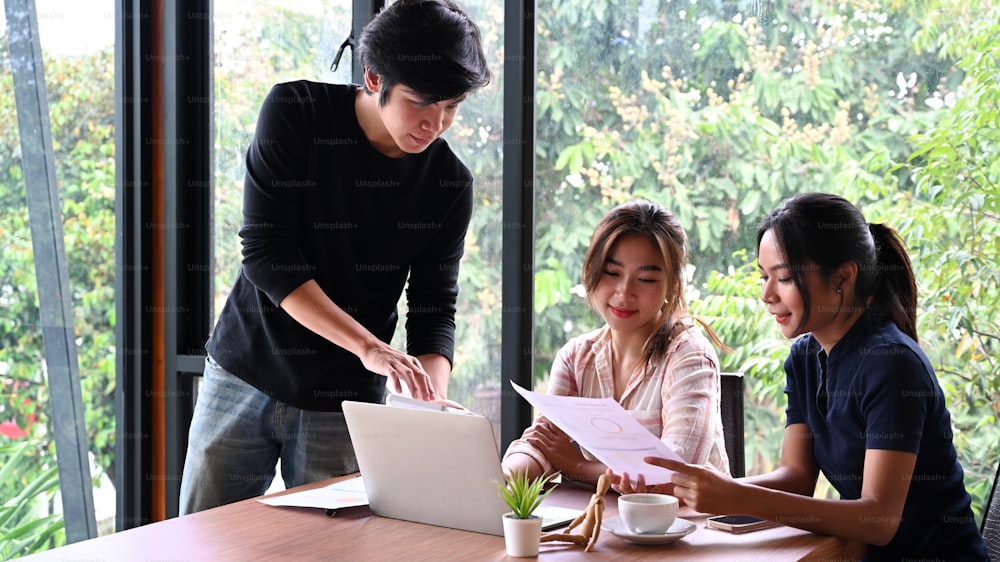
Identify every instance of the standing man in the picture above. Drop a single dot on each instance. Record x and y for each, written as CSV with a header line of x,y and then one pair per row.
x,y
350,196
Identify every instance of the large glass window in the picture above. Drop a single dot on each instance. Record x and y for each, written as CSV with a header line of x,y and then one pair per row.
x,y
719,110
77,43
477,138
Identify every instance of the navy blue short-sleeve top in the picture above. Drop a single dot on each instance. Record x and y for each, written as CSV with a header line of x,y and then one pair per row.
x,y
881,393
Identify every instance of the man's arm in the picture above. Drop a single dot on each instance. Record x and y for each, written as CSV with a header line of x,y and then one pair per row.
x,y
438,368
312,308
432,294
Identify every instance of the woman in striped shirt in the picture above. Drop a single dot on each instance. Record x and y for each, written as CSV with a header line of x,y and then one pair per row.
x,y
651,356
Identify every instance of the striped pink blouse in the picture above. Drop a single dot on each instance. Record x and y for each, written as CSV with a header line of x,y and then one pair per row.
x,y
677,400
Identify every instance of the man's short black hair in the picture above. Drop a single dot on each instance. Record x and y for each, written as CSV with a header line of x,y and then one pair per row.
x,y
431,46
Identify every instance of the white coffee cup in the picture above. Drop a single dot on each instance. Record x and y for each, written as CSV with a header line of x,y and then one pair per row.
x,y
647,514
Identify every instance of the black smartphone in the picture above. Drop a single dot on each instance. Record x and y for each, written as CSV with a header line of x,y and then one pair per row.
x,y
738,523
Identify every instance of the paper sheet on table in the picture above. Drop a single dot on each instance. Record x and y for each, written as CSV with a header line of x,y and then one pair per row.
x,y
607,431
346,493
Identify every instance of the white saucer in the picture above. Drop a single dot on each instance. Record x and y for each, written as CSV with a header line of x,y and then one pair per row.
x,y
680,529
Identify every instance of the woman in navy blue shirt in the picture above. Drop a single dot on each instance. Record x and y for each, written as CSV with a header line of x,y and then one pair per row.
x,y
864,405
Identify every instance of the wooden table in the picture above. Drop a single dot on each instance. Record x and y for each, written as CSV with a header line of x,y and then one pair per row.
x,y
250,530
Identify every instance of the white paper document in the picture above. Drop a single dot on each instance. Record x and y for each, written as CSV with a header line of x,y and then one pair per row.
x,y
607,431
400,401
346,493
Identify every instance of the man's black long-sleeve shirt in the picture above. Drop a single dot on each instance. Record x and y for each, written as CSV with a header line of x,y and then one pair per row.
x,y
320,202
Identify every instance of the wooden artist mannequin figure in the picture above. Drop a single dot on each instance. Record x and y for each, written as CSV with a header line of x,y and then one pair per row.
x,y
589,521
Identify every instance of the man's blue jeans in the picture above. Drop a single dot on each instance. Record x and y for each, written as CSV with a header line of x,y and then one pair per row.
x,y
237,435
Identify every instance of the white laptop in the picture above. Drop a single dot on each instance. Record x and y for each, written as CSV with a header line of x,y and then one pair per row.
x,y
433,467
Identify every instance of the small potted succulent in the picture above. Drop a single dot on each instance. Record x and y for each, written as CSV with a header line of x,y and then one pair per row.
x,y
522,530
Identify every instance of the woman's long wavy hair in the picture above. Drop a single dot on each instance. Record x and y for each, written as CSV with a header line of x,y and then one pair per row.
x,y
661,227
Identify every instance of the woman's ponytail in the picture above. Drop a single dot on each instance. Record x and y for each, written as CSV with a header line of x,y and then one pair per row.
x,y
895,292
827,231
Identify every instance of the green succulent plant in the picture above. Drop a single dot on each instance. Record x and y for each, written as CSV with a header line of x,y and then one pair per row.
x,y
522,494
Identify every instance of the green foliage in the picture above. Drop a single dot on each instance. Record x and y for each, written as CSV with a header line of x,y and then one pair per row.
x,y
952,219
523,495
28,486
721,110
83,138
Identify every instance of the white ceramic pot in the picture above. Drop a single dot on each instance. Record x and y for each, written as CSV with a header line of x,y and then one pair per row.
x,y
522,536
